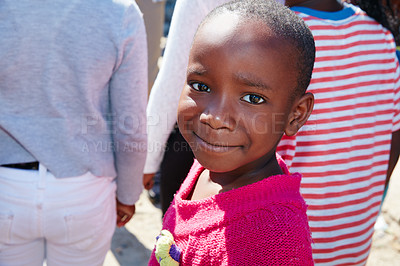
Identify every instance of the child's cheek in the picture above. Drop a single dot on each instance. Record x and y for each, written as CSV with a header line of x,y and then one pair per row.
x,y
187,111
263,123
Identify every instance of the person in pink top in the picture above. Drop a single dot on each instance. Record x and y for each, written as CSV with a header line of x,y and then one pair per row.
x,y
249,67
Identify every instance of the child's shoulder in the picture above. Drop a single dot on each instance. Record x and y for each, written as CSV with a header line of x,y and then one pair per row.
x,y
277,234
254,207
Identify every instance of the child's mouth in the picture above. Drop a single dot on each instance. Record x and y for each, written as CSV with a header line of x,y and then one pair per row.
x,y
213,146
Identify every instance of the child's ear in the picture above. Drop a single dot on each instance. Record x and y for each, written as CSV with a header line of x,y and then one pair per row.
x,y
302,108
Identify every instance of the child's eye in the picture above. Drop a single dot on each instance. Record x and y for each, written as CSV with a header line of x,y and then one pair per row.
x,y
253,99
200,87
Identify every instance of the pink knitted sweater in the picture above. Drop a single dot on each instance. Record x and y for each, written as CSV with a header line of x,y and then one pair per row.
x,y
263,223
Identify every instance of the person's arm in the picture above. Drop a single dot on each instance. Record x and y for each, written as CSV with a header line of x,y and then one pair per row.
x,y
394,155
395,143
128,99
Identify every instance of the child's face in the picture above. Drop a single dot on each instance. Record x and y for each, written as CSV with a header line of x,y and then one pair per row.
x,y
235,105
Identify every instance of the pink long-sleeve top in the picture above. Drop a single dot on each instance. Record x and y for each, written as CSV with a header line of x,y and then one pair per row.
x,y
264,223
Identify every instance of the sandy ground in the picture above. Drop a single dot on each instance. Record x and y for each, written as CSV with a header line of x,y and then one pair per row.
x,y
386,243
132,245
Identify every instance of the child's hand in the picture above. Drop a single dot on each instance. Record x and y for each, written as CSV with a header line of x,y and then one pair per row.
x,y
124,213
148,181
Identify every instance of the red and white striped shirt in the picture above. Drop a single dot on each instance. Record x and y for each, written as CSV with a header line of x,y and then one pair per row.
x,y
343,150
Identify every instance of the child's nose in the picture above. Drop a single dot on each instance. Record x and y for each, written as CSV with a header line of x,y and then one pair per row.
x,y
219,115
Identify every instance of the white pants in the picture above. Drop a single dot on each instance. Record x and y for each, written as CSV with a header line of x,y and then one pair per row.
x,y
65,221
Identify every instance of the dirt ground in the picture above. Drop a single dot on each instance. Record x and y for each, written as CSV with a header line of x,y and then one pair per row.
x,y
132,245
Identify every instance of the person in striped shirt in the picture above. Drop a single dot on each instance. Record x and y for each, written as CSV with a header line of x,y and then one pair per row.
x,y
350,145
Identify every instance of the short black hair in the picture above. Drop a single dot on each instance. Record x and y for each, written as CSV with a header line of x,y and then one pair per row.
x,y
284,23
383,13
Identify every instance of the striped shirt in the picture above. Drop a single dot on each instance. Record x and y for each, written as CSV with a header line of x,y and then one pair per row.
x,y
343,150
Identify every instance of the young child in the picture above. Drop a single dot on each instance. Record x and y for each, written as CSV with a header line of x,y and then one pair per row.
x,y
249,67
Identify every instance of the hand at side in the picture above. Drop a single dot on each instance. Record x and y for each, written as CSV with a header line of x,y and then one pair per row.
x,y
124,213
148,181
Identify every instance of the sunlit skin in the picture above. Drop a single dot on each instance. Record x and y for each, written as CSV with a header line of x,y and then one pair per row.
x,y
238,102
321,5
